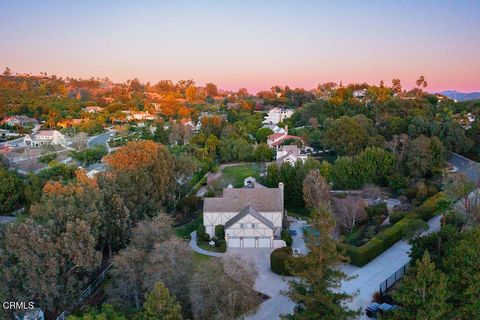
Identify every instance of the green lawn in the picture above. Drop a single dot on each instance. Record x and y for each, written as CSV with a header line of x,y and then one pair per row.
x,y
235,175
205,246
184,230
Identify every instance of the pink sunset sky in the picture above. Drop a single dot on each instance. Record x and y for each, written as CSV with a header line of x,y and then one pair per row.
x,y
252,44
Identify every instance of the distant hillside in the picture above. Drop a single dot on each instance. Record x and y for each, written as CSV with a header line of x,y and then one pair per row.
x,y
461,96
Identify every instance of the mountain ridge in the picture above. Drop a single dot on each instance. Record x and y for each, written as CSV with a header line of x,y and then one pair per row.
x,y
461,96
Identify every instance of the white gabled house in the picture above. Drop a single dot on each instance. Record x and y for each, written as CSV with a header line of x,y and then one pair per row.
x,y
45,137
277,115
252,215
290,154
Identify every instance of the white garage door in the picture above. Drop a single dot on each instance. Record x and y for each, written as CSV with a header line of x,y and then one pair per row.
x,y
248,242
264,242
233,242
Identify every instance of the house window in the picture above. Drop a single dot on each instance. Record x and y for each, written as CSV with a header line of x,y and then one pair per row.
x,y
254,225
242,225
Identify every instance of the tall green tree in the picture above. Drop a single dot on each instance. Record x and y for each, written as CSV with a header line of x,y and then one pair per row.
x,y
422,294
316,292
11,190
159,304
463,269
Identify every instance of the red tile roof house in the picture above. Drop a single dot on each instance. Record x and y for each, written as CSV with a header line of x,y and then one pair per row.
x,y
277,139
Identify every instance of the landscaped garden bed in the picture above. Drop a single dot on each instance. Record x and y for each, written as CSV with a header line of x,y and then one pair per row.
x,y
204,240
361,255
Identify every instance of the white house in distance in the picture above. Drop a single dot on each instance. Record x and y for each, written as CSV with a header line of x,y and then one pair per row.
x,y
290,154
93,109
252,215
359,94
277,115
44,137
274,128
21,121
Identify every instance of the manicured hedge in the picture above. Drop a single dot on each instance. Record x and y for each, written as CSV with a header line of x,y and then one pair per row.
x,y
278,259
200,231
287,237
220,231
360,256
397,216
222,245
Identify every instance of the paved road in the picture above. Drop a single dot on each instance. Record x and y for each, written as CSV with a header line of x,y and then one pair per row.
x,y
470,168
101,140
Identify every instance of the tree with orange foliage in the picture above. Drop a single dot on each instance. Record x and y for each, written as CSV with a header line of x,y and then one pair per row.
x,y
50,256
170,106
212,125
143,174
191,93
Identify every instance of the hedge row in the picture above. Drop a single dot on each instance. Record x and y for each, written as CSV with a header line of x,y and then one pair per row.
x,y
278,259
360,256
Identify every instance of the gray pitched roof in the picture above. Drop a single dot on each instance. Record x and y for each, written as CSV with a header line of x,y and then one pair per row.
x,y
234,200
248,210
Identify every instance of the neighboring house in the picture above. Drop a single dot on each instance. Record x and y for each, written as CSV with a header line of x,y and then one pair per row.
x,y
359,94
21,121
95,169
277,139
290,154
44,137
93,109
275,128
139,116
252,215
277,115
187,122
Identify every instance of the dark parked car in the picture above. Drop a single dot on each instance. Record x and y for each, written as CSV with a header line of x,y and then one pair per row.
x,y
292,232
376,308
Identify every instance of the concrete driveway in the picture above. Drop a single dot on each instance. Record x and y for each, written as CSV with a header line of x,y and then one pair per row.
x,y
298,241
369,277
267,282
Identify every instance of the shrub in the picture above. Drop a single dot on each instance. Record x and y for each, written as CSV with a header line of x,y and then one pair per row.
x,y
397,216
209,194
392,235
278,259
221,244
200,231
427,210
377,210
360,256
285,235
47,158
206,237
220,232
